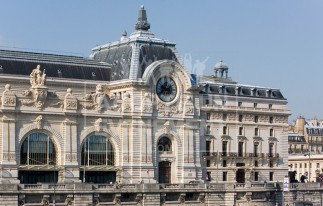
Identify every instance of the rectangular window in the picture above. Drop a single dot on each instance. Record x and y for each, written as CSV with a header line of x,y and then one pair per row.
x,y
240,130
240,149
271,149
270,106
300,165
224,102
305,165
208,129
271,164
224,130
255,105
256,149
256,163
240,118
225,174
224,148
295,165
317,165
311,165
256,119
271,120
208,176
208,163
256,132
271,132
207,102
239,104
302,148
207,148
256,176
224,163
208,115
224,117
271,176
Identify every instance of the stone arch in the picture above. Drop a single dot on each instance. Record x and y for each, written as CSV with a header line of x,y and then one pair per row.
x,y
176,137
176,68
55,137
114,139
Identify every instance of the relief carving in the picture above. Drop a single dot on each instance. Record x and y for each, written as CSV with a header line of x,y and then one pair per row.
x,y
70,101
232,116
147,104
98,125
167,110
39,122
98,101
126,104
189,107
263,118
38,97
116,103
8,98
216,116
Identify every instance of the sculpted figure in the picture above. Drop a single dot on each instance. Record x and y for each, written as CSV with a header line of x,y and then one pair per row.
x,y
37,77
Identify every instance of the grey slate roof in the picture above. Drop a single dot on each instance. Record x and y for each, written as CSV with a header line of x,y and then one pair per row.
x,y
59,66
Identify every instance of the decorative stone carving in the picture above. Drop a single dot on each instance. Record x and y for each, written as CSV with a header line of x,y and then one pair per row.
x,y
70,101
147,104
248,117
39,122
38,91
168,126
217,116
263,118
126,104
38,97
8,98
189,107
167,110
99,100
232,116
115,103
98,125
37,77
281,119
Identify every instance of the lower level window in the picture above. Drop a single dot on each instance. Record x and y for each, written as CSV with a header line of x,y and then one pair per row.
x,y
271,176
225,174
256,176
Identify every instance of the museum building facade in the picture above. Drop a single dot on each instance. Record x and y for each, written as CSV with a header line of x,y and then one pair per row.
x,y
131,113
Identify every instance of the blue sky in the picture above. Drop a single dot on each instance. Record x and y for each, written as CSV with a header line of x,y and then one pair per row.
x,y
277,44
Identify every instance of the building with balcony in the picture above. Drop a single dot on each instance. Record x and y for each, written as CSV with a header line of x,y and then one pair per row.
x,y
86,131
305,140
245,129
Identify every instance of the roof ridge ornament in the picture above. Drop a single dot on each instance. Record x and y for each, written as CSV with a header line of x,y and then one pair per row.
x,y
142,23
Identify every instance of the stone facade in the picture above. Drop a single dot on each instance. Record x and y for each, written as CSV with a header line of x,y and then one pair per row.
x,y
132,114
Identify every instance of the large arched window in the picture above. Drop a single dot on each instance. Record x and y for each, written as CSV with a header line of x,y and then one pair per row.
x,y
164,144
97,150
37,149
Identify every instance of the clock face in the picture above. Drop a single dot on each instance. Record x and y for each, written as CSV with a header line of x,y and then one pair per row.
x,y
166,89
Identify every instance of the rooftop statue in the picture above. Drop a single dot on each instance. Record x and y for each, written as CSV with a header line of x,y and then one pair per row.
x,y
37,77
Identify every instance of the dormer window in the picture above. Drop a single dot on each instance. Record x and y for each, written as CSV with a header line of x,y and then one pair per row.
x,y
59,73
93,76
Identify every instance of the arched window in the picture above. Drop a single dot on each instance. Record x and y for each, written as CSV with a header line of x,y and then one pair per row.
x,y
37,149
97,150
164,144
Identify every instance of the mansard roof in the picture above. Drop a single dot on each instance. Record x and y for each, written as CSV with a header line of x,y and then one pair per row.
x,y
58,66
131,55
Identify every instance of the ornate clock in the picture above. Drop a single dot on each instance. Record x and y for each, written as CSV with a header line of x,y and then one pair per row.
x,y
166,89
